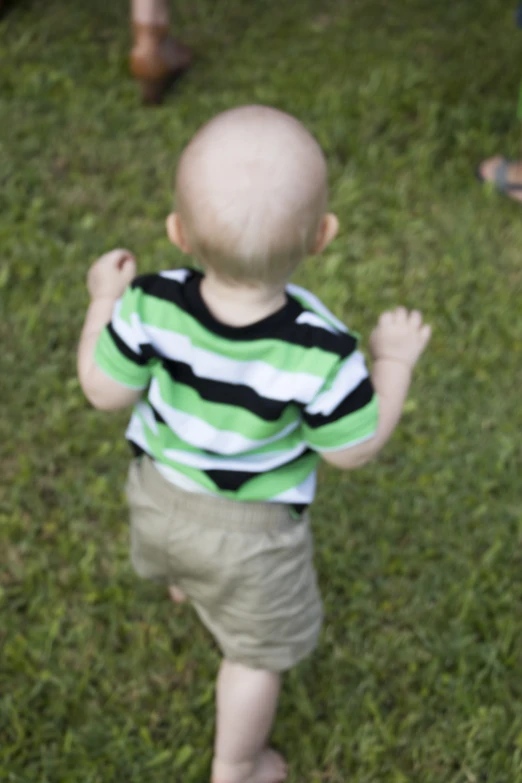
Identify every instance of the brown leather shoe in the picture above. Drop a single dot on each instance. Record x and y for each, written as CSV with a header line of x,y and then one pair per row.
x,y
157,61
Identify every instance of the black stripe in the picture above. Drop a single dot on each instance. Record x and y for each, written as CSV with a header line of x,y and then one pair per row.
x,y
163,288
229,480
124,349
136,450
356,400
149,352
233,480
238,395
188,298
157,415
278,326
342,344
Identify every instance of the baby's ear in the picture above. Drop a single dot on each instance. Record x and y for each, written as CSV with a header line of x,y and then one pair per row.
x,y
176,232
327,231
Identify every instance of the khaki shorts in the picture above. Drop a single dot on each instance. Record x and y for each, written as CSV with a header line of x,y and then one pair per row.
x,y
246,567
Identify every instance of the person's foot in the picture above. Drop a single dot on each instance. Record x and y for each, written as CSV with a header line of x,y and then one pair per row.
x,y
157,60
177,595
176,56
505,175
270,767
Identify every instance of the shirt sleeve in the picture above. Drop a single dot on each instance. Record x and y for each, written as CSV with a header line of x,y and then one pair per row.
x,y
121,351
345,410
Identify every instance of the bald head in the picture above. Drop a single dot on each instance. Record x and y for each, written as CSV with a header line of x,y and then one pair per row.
x,y
251,191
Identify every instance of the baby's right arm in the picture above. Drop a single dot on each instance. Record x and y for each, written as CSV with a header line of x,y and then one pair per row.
x,y
396,345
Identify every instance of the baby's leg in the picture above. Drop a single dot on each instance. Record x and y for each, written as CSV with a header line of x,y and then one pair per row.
x,y
246,706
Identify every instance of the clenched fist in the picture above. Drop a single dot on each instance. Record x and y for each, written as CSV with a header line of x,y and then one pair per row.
x,y
400,335
110,275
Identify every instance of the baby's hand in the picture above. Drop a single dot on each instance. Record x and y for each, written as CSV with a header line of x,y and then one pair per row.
x,y
400,336
110,275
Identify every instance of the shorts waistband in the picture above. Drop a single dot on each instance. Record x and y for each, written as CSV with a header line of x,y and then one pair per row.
x,y
213,511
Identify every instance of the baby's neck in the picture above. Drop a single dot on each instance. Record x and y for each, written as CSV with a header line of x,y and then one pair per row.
x,y
240,305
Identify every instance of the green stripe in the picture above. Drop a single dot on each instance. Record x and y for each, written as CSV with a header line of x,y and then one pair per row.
x,y
118,367
196,475
220,415
156,445
268,485
167,439
343,432
130,304
277,353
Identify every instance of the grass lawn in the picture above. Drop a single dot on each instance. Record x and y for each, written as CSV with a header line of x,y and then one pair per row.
x,y
418,676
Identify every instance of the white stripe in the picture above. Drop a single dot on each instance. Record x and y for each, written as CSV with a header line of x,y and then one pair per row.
x,y
203,435
180,275
303,493
180,480
307,317
147,416
266,380
131,334
136,432
316,305
253,463
349,377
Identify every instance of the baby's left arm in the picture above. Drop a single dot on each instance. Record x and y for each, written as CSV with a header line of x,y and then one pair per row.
x,y
107,280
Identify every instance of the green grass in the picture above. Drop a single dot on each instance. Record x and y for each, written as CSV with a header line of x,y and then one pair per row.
x,y
417,678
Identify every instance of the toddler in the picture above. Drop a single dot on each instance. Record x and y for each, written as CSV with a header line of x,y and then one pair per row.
x,y
241,382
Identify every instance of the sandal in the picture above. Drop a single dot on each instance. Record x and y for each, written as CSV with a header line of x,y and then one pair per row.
x,y
157,61
500,180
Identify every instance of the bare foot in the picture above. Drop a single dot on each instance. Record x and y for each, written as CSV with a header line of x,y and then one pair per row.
x,y
491,170
177,595
270,767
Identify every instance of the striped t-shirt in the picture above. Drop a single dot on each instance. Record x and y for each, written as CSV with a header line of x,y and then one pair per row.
x,y
236,411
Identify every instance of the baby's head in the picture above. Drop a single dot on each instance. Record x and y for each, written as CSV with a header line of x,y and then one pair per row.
x,y
251,191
